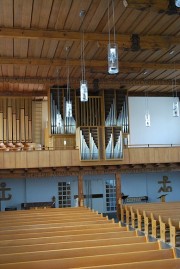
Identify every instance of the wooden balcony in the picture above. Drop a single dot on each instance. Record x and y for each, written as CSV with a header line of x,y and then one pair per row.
x,y
70,158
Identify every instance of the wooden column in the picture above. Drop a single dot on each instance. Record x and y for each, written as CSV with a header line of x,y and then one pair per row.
x,y
118,194
80,190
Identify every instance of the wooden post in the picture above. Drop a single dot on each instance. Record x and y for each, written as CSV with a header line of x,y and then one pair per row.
x,y
118,194
80,190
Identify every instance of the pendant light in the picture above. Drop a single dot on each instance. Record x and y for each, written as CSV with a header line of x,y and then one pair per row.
x,y
113,65
83,82
68,106
175,101
147,114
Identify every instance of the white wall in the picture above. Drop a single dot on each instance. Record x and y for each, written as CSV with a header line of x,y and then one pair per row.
x,y
164,129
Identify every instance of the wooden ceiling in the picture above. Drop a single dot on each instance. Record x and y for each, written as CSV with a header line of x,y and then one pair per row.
x,y
34,35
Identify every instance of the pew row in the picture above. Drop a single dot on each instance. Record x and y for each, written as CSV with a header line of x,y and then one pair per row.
x,y
64,241
160,220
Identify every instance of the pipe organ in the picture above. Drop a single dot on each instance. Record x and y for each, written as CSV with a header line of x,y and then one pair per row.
x,y
15,119
116,110
89,146
60,123
113,143
101,123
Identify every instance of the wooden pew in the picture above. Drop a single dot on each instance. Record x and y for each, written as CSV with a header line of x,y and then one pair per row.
x,y
51,225
77,252
74,244
97,260
136,210
162,264
67,238
71,232
64,227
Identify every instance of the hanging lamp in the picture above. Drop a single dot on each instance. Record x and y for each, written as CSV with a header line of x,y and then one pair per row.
x,y
83,82
175,101
68,106
147,114
113,65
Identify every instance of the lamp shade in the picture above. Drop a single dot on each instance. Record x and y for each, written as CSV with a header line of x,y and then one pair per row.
x,y
68,109
113,65
83,91
176,109
147,119
177,3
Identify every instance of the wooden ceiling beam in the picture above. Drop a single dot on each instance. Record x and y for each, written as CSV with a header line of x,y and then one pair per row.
x,y
75,81
89,63
144,4
165,6
124,41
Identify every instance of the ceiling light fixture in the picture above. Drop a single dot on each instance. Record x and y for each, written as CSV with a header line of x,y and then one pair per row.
x,y
68,106
147,114
175,100
177,3
83,82
125,3
113,65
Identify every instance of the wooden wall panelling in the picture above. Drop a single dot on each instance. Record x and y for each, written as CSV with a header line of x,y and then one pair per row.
x,y
18,120
26,128
30,130
32,159
55,158
14,126
137,155
1,160
26,118
9,122
90,111
1,120
22,121
101,143
21,161
43,158
161,155
149,153
29,120
75,157
1,127
5,119
5,129
174,154
9,160
66,158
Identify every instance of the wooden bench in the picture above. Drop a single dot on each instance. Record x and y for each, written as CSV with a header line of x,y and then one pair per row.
x,y
153,219
162,264
71,232
97,260
55,239
77,252
74,244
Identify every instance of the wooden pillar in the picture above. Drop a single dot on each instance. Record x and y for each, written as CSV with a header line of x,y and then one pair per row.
x,y
80,190
118,194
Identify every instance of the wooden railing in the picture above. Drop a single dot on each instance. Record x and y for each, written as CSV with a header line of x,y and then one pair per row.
x,y
71,157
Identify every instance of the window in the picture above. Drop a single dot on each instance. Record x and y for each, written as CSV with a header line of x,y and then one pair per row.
x,y
64,192
111,195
